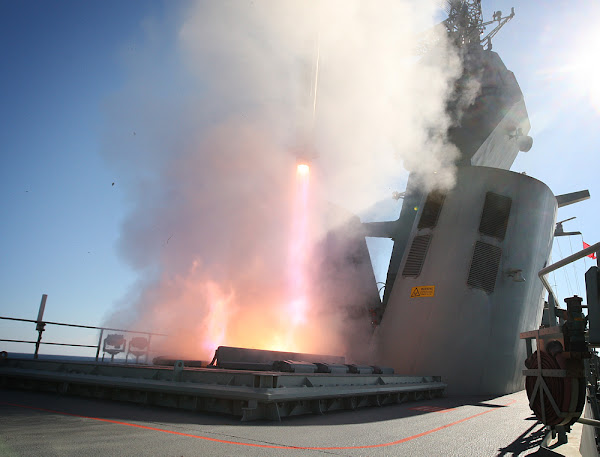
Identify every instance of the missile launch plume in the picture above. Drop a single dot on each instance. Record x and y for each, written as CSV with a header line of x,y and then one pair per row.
x,y
222,108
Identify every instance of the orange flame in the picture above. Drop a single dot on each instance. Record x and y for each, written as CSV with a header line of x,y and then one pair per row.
x,y
303,169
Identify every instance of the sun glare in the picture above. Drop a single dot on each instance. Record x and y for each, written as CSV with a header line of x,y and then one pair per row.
x,y
584,68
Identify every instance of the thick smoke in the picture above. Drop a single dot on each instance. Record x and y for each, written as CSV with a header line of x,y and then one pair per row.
x,y
205,145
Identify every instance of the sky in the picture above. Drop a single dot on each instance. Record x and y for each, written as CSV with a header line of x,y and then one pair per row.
x,y
82,82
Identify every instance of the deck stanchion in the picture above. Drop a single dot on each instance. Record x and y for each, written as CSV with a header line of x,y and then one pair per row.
x,y
40,326
99,344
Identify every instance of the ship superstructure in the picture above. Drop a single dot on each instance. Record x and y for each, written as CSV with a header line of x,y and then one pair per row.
x,y
462,280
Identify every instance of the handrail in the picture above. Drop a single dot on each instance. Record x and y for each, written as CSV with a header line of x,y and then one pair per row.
x,y
41,324
56,344
572,258
82,326
561,263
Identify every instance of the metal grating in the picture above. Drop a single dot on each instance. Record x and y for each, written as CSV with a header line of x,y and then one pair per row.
x,y
484,266
416,255
432,209
494,218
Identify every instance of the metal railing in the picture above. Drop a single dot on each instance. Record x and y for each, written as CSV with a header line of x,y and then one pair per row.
x,y
40,327
595,249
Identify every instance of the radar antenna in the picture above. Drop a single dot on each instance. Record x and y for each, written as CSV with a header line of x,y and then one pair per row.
x,y
465,25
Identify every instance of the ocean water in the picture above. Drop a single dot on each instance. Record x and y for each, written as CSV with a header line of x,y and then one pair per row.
x,y
71,358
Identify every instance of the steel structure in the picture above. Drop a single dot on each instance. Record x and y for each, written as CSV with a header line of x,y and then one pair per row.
x,y
464,26
465,23
250,395
462,281
563,371
467,282
41,326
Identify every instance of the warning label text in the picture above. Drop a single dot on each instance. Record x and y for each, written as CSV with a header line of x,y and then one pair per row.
x,y
422,291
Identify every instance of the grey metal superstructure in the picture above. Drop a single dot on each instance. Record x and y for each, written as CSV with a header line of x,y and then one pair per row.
x,y
475,248
489,133
247,393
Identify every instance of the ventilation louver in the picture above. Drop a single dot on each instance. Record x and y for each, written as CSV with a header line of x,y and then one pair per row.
x,y
416,255
494,218
432,209
484,266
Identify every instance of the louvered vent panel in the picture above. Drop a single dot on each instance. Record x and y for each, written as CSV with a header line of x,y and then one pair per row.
x,y
484,267
494,218
416,255
432,209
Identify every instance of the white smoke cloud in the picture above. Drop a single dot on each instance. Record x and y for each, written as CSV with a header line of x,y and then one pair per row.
x,y
210,170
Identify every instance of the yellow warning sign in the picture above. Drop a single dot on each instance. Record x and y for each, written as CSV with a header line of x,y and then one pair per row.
x,y
422,291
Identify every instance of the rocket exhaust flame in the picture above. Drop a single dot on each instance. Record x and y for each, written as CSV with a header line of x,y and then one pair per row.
x,y
303,169
249,259
297,307
214,334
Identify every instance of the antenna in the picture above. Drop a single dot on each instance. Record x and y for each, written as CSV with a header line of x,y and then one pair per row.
x,y
559,230
465,25
464,21
497,17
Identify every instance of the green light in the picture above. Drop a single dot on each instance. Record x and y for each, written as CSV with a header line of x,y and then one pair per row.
x,y
416,208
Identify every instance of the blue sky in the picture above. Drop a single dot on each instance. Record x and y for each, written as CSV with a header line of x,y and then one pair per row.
x,y
64,61
60,212
551,48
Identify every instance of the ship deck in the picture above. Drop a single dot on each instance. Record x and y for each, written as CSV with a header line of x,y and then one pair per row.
x,y
36,423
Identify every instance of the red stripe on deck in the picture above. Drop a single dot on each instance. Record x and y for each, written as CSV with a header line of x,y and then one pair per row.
x,y
432,409
269,446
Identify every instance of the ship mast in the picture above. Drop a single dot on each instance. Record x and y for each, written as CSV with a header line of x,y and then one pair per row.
x,y
465,25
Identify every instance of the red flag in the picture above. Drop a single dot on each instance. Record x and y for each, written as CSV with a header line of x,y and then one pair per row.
x,y
585,246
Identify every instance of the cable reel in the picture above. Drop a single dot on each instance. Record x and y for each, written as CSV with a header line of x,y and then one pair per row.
x,y
555,374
